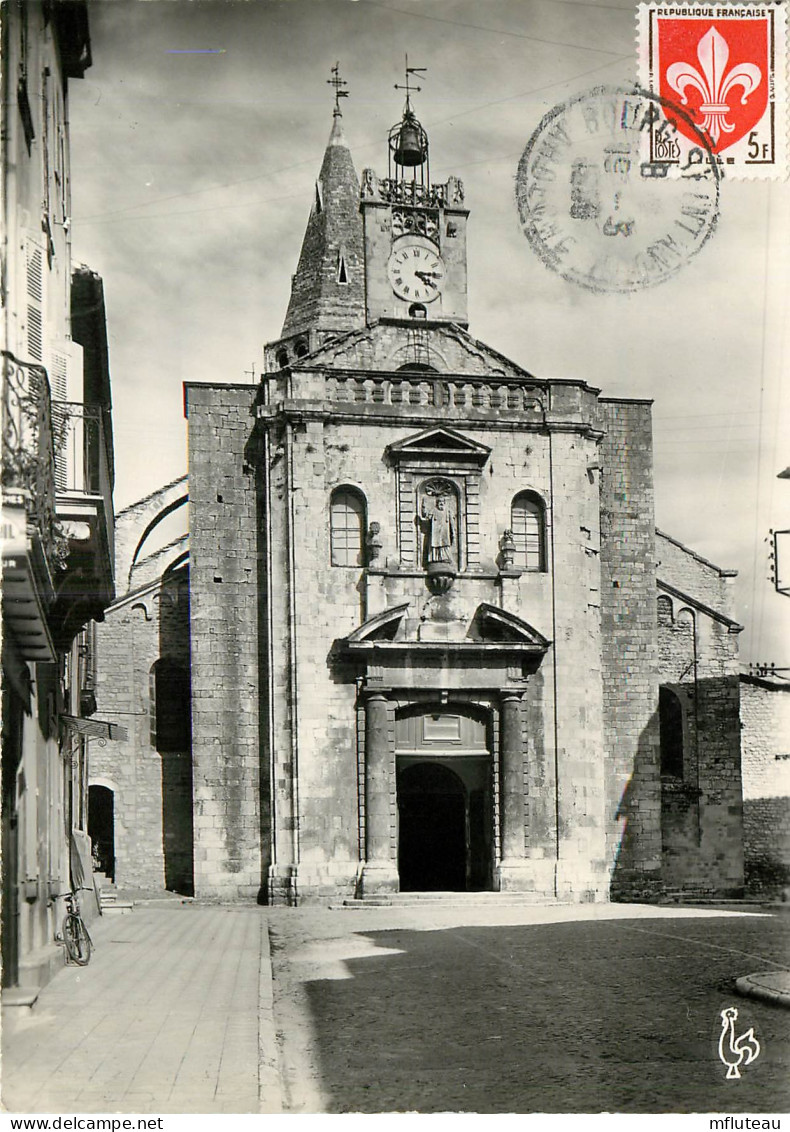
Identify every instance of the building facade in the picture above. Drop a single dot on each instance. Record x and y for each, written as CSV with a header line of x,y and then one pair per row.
x,y
140,816
425,642
765,720
699,729
57,492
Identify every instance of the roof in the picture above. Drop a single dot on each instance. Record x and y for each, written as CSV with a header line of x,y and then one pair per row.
x,y
697,557
389,344
328,288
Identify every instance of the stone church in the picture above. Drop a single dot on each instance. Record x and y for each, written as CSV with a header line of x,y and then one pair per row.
x,y
436,640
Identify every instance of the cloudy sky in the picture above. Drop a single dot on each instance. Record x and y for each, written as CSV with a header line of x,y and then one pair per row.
x,y
197,135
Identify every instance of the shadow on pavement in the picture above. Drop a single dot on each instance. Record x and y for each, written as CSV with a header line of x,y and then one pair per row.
x,y
573,1017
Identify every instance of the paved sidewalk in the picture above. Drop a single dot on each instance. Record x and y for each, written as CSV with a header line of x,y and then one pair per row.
x,y
172,1015
770,986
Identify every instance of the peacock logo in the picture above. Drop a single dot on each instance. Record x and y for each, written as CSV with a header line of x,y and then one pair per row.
x,y
735,1051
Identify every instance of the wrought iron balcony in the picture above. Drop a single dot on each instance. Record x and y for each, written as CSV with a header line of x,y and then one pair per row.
x,y
57,513
34,548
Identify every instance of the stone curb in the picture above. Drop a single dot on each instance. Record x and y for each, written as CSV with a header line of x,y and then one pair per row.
x,y
269,1083
769,986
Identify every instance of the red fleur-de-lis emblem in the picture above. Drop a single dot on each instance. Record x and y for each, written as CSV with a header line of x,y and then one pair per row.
x,y
715,83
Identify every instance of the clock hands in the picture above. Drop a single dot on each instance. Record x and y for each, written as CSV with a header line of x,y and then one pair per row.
x,y
416,273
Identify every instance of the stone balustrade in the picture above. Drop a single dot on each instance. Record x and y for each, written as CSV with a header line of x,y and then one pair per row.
x,y
433,392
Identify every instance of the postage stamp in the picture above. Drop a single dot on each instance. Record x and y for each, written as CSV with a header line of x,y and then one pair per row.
x,y
726,66
596,210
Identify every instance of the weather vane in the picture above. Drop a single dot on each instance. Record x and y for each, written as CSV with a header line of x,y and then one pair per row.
x,y
420,73
338,84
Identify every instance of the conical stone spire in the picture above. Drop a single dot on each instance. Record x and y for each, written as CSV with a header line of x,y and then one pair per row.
x,y
328,289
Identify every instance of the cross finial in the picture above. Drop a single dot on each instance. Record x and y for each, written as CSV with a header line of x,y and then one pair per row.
x,y
338,84
420,73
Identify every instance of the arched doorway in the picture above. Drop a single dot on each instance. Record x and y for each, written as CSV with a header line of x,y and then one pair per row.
x,y
101,829
445,799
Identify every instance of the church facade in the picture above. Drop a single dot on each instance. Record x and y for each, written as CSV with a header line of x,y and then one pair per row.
x,y
426,635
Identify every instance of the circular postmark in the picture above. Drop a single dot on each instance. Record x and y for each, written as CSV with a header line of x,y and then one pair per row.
x,y
601,201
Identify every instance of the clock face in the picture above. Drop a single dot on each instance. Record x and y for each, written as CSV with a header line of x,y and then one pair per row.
x,y
416,273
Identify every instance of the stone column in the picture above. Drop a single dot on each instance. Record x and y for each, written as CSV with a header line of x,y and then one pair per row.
x,y
512,779
513,872
379,873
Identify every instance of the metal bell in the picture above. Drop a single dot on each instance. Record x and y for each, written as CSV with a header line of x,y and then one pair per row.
x,y
409,147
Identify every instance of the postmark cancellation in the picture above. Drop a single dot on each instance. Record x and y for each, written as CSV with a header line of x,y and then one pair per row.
x,y
596,210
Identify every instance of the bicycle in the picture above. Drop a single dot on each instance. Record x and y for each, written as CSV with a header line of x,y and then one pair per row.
x,y
74,934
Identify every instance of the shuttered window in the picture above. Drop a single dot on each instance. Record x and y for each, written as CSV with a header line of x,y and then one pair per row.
x,y
59,385
347,527
34,266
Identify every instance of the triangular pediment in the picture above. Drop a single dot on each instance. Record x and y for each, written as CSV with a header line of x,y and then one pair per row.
x,y
437,444
412,347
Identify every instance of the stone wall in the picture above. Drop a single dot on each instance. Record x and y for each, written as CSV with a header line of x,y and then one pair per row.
x,y
230,766
279,701
151,790
765,739
707,583
628,622
132,525
698,654
312,689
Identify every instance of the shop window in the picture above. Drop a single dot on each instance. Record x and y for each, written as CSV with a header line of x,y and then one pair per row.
x,y
528,524
347,525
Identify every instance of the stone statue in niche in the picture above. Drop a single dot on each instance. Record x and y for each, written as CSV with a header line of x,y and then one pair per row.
x,y
439,518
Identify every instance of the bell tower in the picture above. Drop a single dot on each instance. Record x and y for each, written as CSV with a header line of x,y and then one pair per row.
x,y
327,289
414,230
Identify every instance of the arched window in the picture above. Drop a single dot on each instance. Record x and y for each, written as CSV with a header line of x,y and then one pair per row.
x,y
670,722
171,717
347,525
665,613
301,348
528,524
282,358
